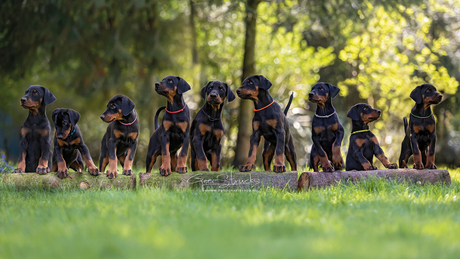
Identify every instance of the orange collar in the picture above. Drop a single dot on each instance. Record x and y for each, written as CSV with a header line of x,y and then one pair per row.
x,y
258,110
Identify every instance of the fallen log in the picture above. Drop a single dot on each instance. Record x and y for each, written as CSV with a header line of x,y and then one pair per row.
x,y
310,180
73,181
224,180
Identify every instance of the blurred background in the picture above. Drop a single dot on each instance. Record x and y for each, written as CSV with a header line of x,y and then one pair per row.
x,y
375,51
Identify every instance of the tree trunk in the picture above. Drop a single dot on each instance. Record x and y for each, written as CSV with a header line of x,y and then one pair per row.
x,y
221,180
245,112
412,176
83,181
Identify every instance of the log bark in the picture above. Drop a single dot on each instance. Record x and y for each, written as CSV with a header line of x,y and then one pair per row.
x,y
310,180
73,181
208,181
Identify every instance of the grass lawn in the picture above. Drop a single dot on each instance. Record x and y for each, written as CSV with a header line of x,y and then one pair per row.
x,y
375,219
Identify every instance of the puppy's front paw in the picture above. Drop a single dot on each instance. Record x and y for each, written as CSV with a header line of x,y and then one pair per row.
x,y
246,167
62,173
337,162
183,170
42,169
127,172
165,171
370,167
279,168
431,166
93,171
327,168
392,166
418,166
112,174
18,171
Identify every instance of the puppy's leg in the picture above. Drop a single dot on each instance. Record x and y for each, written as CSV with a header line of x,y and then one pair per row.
x,y
378,152
182,160
406,152
62,171
45,145
201,161
215,158
268,154
255,140
92,169
173,161
417,154
430,158
165,168
104,156
358,155
327,167
23,146
337,159
128,163
291,154
112,172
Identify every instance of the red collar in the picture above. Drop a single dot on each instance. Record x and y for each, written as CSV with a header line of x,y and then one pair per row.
x,y
127,124
257,110
185,105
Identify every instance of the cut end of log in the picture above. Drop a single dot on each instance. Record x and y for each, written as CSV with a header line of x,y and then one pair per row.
x,y
84,185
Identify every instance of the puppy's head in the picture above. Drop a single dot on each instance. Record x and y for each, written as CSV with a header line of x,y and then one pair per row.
x,y
363,112
64,121
251,87
36,96
215,93
426,94
117,107
321,92
170,86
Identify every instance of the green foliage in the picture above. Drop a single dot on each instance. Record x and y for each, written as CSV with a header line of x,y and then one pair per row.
x,y
373,219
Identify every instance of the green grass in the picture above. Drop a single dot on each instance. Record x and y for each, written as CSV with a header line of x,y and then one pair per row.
x,y
374,219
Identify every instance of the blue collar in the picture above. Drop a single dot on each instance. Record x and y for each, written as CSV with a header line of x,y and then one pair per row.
x,y
71,133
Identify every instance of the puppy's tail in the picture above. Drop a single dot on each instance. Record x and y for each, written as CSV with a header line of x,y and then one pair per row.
x,y
289,104
156,116
405,124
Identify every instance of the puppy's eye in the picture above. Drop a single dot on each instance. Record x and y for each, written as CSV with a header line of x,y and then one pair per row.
x,y
64,123
170,81
320,88
222,89
250,82
112,107
428,90
365,108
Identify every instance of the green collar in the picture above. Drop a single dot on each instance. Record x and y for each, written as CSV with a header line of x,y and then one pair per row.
x,y
421,117
359,131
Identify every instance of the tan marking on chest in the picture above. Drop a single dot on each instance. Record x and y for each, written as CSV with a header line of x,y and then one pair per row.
x,y
272,123
417,128
42,132
24,131
318,129
256,125
334,126
430,128
218,133
360,142
167,124
182,125
132,135
117,133
76,141
61,142
204,128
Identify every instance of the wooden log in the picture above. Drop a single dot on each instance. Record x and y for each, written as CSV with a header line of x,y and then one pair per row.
x,y
309,180
73,181
208,181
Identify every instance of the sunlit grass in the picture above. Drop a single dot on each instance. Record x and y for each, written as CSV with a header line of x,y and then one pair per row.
x,y
372,219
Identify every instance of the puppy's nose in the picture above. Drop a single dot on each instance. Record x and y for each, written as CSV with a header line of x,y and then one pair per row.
x,y
157,85
102,116
23,100
238,91
213,95
440,96
378,111
310,95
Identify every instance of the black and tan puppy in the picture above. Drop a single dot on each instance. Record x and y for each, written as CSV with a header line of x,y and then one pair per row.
x,y
270,122
68,145
120,139
35,137
363,143
173,133
327,131
207,128
420,136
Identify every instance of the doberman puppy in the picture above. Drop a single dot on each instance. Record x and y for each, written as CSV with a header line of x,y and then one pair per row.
x,y
207,128
271,123
120,139
327,131
69,145
363,143
421,131
173,133
35,138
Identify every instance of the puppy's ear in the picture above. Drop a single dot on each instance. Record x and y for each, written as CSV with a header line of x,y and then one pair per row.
x,y
54,115
333,90
264,83
127,106
74,116
416,94
230,94
49,97
354,114
182,86
204,90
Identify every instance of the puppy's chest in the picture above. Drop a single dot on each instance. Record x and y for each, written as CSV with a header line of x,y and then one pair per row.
x,y
125,137
325,128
